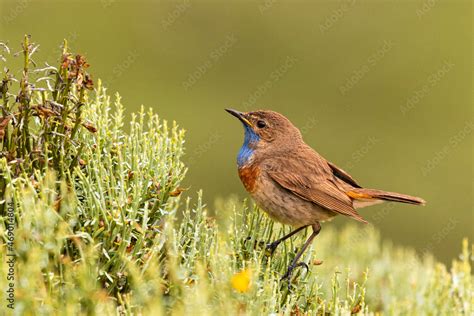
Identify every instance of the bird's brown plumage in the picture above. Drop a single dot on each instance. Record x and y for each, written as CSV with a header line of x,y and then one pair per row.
x,y
293,183
314,188
306,174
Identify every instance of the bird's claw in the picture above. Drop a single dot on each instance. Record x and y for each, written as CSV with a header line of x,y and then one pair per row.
x,y
303,264
271,247
256,244
289,272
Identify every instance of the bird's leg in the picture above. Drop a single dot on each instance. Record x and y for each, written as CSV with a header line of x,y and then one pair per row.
x,y
272,246
294,264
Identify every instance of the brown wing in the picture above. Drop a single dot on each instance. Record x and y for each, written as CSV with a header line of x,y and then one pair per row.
x,y
308,175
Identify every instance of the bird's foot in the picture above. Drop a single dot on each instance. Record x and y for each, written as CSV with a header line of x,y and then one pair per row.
x,y
256,244
289,272
271,247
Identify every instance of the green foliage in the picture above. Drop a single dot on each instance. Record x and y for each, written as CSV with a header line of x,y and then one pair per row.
x,y
109,235
40,123
190,265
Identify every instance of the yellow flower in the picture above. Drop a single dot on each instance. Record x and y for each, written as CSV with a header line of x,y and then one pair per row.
x,y
241,281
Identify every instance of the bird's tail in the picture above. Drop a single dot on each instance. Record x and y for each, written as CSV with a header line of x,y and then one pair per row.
x,y
372,194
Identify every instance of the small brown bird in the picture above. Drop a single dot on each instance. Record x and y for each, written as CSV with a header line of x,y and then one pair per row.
x,y
293,183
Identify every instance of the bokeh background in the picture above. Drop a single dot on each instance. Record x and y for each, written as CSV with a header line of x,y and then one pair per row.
x,y
381,88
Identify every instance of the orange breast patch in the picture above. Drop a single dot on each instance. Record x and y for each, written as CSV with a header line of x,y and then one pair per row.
x,y
248,175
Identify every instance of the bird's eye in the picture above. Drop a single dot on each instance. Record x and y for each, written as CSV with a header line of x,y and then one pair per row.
x,y
261,124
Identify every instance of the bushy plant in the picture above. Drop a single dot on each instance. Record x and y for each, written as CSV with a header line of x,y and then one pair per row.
x,y
100,227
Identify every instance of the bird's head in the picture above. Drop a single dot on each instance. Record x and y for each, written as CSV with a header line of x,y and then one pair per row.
x,y
266,131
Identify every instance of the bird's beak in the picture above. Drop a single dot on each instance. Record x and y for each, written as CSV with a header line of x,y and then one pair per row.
x,y
240,116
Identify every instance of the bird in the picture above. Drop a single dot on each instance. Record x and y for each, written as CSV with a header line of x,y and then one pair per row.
x,y
294,184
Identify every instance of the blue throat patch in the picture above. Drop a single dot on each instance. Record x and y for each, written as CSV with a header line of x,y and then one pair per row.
x,y
246,151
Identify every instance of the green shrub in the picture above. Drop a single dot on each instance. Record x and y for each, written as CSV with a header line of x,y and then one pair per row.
x,y
100,229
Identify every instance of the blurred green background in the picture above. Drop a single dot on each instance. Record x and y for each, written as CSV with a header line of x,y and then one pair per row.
x,y
381,88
